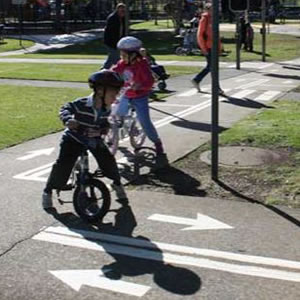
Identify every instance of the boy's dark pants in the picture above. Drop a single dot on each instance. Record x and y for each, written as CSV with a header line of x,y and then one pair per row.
x,y
70,150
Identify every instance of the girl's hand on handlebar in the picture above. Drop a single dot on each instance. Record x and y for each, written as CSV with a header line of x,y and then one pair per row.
x,y
72,124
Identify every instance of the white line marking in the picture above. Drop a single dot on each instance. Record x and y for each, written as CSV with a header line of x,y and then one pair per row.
x,y
171,105
241,79
254,83
266,96
275,262
36,153
34,174
202,222
242,94
188,93
95,278
168,257
288,82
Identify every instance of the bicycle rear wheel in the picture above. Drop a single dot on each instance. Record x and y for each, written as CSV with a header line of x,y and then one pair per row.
x,y
92,203
137,135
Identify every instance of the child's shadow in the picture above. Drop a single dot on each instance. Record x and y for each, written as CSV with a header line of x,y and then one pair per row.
x,y
146,258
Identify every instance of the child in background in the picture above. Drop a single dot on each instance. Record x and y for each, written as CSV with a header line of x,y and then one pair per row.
x,y
136,72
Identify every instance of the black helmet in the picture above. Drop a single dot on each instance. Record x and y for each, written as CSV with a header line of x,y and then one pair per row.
x,y
105,78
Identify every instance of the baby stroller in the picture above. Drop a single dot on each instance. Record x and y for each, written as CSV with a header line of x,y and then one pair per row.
x,y
160,75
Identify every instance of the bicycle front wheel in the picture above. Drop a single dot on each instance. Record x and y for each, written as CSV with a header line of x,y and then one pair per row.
x,y
93,202
136,134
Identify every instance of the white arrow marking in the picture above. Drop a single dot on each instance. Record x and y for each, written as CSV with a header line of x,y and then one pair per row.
x,y
202,222
76,278
36,153
157,255
35,174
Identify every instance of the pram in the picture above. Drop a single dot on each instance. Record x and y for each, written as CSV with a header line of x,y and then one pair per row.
x,y
160,75
189,43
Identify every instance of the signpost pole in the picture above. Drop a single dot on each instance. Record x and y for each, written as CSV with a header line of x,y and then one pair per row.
x,y
215,92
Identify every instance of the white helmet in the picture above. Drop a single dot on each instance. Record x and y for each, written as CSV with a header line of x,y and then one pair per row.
x,y
129,43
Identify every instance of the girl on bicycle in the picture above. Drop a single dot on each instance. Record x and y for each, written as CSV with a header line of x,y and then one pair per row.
x,y
136,72
85,120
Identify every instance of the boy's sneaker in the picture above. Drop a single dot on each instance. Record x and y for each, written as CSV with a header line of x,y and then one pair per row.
x,y
159,148
120,192
47,200
196,85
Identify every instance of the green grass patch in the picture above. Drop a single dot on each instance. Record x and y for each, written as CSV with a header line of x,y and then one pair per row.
x,y
41,71
67,72
12,45
163,44
274,127
151,26
31,112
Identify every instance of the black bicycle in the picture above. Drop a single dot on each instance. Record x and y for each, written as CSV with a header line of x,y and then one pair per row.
x,y
91,197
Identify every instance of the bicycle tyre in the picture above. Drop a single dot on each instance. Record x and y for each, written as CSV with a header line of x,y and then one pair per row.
x,y
137,135
112,139
86,203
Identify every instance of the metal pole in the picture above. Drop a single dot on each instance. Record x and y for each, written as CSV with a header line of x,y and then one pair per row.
x,y
238,41
263,17
127,16
215,92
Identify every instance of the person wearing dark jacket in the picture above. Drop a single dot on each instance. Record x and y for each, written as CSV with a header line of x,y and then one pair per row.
x,y
114,30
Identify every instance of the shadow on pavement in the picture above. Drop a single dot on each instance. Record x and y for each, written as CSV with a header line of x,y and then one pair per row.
x,y
169,177
246,102
251,200
134,256
197,126
142,159
295,77
140,261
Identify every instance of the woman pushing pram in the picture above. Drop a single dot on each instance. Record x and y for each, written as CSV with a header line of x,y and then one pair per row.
x,y
159,73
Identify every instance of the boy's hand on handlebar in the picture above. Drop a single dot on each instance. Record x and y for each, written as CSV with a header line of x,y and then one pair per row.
x,y
72,124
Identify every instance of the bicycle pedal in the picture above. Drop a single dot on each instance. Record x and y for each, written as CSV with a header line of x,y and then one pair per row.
x,y
67,187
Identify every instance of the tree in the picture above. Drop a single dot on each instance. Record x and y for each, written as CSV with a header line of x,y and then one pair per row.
x,y
174,8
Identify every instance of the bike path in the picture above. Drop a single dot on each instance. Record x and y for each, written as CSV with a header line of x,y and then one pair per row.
x,y
160,260
148,250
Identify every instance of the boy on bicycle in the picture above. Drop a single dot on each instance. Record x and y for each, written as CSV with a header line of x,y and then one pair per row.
x,y
135,70
86,120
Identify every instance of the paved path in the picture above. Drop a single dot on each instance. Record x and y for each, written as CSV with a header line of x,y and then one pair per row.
x,y
161,246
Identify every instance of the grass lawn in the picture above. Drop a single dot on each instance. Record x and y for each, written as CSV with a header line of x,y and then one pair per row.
x,y
12,45
31,112
162,45
66,72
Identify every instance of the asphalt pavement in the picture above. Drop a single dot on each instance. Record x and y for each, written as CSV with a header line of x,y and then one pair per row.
x,y
161,246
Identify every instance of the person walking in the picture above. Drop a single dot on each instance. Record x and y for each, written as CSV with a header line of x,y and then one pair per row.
x,y
205,40
114,30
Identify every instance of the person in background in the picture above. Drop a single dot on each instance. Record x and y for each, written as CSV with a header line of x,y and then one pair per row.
x,y
204,39
138,78
114,30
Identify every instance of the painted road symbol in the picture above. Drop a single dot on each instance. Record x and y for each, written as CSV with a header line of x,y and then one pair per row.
x,y
95,278
202,222
133,247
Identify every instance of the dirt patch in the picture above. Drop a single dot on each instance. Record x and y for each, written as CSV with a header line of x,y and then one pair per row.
x,y
191,176
238,156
